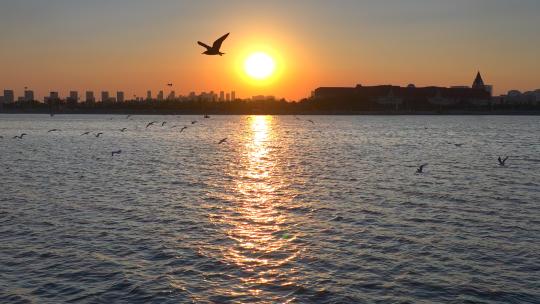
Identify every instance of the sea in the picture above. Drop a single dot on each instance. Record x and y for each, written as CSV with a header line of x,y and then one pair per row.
x,y
286,209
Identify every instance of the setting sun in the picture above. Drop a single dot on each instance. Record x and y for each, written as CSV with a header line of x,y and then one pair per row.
x,y
259,66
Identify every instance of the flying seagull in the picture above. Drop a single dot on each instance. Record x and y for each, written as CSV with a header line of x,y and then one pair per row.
x,y
85,133
174,126
53,130
123,130
421,168
222,141
100,133
311,121
169,84
214,49
163,123
115,152
150,123
458,145
193,122
19,137
182,130
502,162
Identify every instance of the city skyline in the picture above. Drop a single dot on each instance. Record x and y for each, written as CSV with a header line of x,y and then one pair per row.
x,y
136,45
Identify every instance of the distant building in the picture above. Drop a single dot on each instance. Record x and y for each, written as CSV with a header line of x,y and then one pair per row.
x,y
54,96
171,96
73,97
221,96
120,96
9,96
263,98
90,98
105,96
28,95
480,85
148,95
228,97
233,95
160,96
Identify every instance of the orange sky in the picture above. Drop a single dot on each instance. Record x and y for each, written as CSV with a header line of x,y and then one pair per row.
x,y
135,45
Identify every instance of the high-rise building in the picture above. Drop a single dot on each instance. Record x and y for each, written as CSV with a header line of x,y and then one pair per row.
x,y
228,97
28,95
54,96
90,97
233,95
149,95
172,96
160,95
73,97
105,96
120,96
9,96
221,96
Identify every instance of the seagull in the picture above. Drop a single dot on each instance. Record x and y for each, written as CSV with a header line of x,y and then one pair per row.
x,y
421,168
53,130
150,123
100,133
19,137
458,145
311,121
85,133
182,130
169,84
502,162
115,152
163,123
174,126
214,49
222,141
123,130
193,122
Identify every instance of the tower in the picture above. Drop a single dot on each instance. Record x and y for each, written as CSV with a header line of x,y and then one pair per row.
x,y
478,82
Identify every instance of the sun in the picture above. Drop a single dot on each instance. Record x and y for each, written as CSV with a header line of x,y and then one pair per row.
x,y
259,66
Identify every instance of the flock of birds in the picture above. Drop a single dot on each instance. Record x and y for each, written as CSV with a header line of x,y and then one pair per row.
x,y
419,170
116,152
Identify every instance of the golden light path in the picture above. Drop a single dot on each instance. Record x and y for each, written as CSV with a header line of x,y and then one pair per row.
x,y
258,224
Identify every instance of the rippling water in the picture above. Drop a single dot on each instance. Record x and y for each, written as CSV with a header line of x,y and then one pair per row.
x,y
285,211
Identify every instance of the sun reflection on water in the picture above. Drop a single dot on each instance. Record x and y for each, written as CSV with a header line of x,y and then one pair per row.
x,y
257,221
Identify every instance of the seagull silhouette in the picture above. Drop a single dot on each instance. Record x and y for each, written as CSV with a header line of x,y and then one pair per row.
x,y
458,145
163,123
115,152
170,84
182,130
150,123
193,122
311,121
214,49
85,133
19,137
421,168
99,134
123,130
222,141
53,130
502,162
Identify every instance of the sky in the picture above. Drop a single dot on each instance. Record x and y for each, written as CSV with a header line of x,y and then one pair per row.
x,y
136,45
